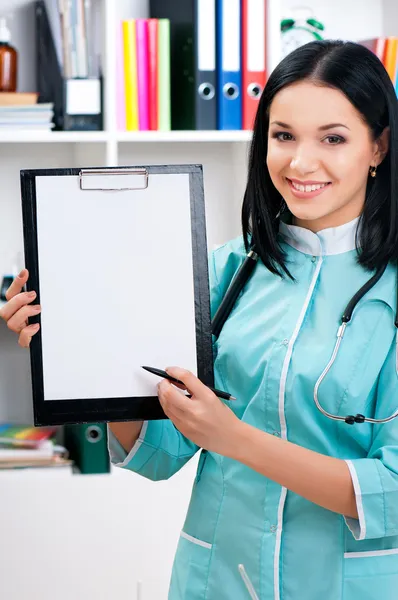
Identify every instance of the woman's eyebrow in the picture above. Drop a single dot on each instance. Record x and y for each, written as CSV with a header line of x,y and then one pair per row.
x,y
332,125
321,128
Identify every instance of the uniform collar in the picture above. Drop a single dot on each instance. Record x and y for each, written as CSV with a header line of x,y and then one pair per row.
x,y
334,240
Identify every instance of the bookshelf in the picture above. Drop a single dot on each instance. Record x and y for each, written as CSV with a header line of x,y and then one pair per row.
x,y
54,137
110,511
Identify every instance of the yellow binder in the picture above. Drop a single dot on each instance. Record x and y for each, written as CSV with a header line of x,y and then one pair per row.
x,y
130,74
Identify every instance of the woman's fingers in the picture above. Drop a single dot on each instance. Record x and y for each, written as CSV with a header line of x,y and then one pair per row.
x,y
180,386
26,335
18,309
16,303
18,321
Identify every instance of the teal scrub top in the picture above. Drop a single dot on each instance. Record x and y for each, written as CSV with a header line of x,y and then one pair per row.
x,y
272,349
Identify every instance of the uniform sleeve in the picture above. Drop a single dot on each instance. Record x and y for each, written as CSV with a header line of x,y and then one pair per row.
x,y
160,450
375,478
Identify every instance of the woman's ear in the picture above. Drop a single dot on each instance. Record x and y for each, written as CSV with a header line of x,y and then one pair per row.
x,y
382,145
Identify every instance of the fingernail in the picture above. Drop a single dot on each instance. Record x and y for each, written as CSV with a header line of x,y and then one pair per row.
x,y
32,294
35,327
21,273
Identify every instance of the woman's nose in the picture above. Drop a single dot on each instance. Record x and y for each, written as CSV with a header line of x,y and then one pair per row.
x,y
303,165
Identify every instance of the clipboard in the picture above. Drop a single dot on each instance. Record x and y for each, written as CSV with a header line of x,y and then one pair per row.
x,y
118,258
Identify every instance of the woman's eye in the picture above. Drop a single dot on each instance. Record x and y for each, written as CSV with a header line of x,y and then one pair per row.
x,y
334,139
283,136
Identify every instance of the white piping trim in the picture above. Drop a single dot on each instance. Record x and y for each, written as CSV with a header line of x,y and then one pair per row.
x,y
370,553
358,497
282,419
196,541
248,583
136,446
396,352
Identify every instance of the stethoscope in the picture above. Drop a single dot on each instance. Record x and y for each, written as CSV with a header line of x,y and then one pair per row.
x,y
237,285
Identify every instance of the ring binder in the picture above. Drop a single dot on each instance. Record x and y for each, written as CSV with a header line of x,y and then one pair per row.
x,y
193,61
127,171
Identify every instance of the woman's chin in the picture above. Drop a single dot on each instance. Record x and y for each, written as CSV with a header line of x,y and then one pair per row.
x,y
305,213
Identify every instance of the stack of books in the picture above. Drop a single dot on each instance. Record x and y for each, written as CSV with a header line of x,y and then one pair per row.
x,y
143,75
21,111
386,49
23,446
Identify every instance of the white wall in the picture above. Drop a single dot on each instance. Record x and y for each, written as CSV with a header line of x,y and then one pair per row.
x,y
89,537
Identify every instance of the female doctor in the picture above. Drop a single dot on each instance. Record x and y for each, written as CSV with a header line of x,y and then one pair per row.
x,y
295,498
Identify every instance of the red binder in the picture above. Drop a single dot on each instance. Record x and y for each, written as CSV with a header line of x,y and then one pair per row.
x,y
253,58
153,73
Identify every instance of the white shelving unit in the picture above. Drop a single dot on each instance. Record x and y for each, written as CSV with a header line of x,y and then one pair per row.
x,y
54,137
96,537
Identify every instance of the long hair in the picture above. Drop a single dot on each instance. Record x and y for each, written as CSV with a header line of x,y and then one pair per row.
x,y
361,77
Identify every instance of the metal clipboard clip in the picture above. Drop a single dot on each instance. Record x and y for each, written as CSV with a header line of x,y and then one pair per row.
x,y
113,180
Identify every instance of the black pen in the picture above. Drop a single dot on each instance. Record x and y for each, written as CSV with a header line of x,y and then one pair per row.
x,y
218,393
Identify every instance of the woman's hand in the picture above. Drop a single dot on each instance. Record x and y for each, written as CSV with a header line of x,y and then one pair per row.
x,y
17,310
203,418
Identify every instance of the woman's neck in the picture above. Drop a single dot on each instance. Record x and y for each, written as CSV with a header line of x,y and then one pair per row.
x,y
335,219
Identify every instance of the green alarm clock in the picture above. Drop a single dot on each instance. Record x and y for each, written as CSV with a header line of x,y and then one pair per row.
x,y
297,32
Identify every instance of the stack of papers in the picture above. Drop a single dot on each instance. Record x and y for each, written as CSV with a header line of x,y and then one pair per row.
x,y
27,117
26,446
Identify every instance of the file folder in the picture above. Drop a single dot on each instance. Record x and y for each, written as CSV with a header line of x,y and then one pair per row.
x,y
153,75
253,58
130,74
121,117
163,85
193,61
77,102
87,444
229,64
142,74
205,98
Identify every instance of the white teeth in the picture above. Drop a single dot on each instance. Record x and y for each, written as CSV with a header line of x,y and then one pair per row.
x,y
308,188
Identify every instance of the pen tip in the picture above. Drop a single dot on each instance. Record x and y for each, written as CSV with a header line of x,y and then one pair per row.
x,y
232,398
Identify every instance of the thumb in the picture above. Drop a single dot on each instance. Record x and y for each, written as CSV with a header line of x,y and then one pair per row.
x,y
191,382
17,284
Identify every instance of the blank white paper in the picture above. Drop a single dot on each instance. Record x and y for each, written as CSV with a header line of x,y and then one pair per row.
x,y
116,286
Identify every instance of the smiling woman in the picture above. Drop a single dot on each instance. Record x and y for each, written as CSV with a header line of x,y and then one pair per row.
x,y
295,497
323,121
312,158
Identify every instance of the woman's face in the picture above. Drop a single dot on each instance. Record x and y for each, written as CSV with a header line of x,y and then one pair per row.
x,y
317,139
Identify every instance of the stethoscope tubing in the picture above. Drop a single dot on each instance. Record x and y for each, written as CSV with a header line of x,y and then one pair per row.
x,y
236,287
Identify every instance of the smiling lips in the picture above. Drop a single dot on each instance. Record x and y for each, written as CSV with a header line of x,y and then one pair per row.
x,y
307,189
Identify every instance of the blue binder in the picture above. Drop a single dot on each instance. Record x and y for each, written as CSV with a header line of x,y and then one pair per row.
x,y
229,64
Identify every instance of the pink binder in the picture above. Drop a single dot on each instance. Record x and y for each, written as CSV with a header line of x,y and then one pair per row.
x,y
142,74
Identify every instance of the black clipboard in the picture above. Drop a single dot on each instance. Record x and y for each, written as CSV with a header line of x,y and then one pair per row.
x,y
105,227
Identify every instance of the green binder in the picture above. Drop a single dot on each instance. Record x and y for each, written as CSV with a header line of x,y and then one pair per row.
x,y
87,444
